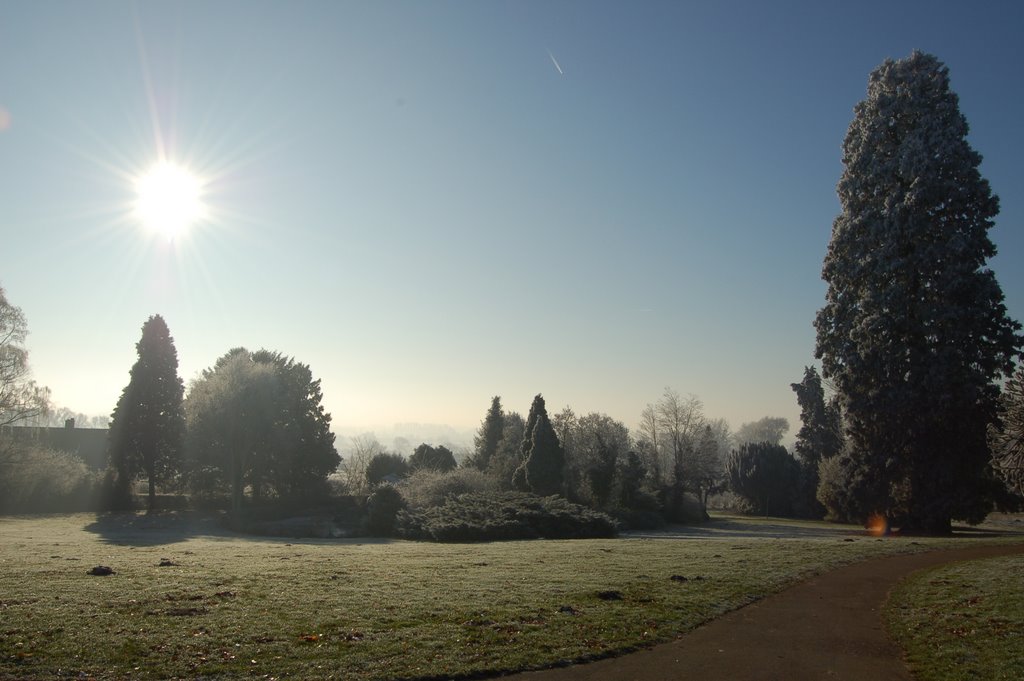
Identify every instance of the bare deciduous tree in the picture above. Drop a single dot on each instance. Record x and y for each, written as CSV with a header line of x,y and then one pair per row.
x,y
356,458
20,398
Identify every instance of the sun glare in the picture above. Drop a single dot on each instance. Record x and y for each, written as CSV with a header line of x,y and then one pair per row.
x,y
169,199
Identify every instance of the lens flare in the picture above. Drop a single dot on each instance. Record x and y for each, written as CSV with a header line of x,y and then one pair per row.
x,y
878,526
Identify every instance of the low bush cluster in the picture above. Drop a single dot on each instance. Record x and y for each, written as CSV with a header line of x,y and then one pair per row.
x,y
502,516
41,480
765,476
382,509
426,488
633,519
840,490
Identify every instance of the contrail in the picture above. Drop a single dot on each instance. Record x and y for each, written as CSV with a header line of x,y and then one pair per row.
x,y
555,62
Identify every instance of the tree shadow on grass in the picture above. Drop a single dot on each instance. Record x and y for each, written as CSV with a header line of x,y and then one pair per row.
x,y
985,531
751,528
172,527
154,529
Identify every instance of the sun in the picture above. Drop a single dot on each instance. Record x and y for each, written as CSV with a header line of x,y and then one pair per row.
x,y
169,199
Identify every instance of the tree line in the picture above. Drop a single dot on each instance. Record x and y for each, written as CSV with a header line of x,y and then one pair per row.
x,y
666,470
252,427
914,417
914,339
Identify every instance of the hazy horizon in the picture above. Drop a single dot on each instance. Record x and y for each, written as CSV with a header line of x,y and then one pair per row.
x,y
435,203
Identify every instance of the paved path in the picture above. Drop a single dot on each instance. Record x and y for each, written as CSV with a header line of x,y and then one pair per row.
x,y
829,627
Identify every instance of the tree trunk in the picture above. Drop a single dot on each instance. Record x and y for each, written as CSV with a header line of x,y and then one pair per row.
x,y
236,487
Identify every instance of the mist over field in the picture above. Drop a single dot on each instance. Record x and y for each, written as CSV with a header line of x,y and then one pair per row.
x,y
404,437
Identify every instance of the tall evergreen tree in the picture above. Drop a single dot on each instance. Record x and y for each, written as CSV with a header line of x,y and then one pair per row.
x,y
914,332
147,427
507,459
536,408
519,481
765,475
819,437
301,453
256,421
542,470
545,462
488,437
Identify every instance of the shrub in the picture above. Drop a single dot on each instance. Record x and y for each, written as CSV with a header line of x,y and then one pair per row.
x,y
337,485
837,490
208,486
382,507
383,465
766,476
39,480
115,493
805,503
680,506
635,519
426,488
506,515
438,458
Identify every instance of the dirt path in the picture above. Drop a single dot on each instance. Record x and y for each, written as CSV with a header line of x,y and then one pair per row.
x,y
829,627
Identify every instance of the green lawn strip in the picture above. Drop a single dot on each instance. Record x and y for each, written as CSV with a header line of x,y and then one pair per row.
x,y
370,610
962,621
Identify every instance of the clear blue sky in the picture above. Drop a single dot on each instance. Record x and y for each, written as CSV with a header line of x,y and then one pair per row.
x,y
409,196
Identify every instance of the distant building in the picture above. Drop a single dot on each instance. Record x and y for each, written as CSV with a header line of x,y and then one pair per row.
x,y
89,444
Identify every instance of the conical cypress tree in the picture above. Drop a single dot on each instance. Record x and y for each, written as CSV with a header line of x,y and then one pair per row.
x,y
147,427
545,459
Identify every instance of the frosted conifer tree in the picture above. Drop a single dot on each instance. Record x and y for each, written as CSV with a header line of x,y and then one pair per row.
x,y
914,332
147,428
488,437
544,466
819,436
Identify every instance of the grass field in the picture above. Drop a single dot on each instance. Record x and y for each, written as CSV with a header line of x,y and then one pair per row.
x,y
963,621
231,605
